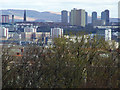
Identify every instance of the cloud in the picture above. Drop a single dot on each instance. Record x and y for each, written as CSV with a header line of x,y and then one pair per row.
x,y
58,5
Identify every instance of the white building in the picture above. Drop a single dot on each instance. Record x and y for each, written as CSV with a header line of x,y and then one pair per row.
x,y
3,32
108,35
30,29
56,32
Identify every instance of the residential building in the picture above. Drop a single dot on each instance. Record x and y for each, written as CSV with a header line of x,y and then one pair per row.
x,y
94,17
119,12
5,18
30,29
56,32
77,17
98,22
105,16
4,32
108,35
86,18
64,16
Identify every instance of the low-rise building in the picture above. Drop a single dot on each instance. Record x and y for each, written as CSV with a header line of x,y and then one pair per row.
x,y
3,32
56,32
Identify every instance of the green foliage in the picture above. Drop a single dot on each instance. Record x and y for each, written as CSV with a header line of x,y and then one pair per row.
x,y
67,65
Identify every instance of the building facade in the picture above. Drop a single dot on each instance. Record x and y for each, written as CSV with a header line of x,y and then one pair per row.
x,y
98,22
73,17
77,17
82,14
86,18
5,18
105,16
64,16
56,32
119,12
108,35
94,17
30,29
4,32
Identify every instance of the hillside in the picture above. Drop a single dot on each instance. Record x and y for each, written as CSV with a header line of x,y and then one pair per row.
x,y
32,15
37,16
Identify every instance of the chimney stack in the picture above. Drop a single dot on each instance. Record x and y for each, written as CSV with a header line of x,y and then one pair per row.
x,y
12,19
24,15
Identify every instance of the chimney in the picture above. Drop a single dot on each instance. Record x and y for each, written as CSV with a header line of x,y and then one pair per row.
x,y
24,15
12,19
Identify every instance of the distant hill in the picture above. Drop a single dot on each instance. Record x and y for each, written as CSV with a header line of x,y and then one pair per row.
x,y
37,16
32,15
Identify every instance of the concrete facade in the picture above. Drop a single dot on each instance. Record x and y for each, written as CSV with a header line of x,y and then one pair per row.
x,y
77,17
64,16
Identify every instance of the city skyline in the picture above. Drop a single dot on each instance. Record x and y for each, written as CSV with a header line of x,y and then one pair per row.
x,y
58,6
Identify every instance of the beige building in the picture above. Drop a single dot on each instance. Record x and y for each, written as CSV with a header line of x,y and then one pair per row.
x,y
73,17
77,17
82,17
37,35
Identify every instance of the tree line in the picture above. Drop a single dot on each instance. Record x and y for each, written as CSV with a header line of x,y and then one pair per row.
x,y
67,64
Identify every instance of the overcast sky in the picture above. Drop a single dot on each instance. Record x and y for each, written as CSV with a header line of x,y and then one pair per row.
x,y
58,5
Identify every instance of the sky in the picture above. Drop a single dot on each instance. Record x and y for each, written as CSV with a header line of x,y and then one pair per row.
x,y
59,5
